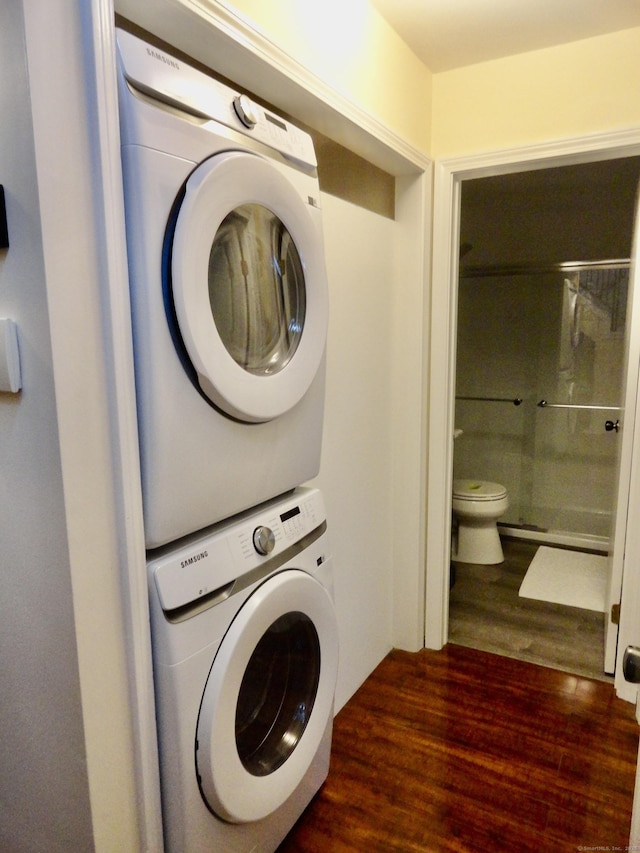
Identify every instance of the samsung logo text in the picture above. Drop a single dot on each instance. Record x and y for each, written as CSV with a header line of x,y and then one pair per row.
x,y
162,58
195,559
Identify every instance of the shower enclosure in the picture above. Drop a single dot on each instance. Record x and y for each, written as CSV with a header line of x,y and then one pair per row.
x,y
539,378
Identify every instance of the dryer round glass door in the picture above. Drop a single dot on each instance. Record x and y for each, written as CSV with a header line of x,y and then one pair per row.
x,y
268,698
256,289
249,286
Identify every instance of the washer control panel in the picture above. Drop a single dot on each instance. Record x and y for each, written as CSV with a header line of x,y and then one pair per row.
x,y
205,563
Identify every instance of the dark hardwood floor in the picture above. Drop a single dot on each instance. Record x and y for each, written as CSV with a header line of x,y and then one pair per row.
x,y
464,750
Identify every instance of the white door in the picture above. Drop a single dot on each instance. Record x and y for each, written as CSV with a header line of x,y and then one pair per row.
x,y
629,633
249,287
625,512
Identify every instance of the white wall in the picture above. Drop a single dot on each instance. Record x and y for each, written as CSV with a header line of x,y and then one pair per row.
x,y
355,476
42,750
69,754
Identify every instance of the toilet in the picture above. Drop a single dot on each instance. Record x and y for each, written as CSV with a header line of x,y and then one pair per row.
x,y
477,505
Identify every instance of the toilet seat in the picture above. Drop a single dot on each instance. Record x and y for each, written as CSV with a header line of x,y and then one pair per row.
x,y
478,490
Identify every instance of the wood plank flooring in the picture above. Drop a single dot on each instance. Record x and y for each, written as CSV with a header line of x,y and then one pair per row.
x,y
464,750
486,612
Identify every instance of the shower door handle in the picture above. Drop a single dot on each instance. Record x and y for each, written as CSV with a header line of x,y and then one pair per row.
x,y
612,425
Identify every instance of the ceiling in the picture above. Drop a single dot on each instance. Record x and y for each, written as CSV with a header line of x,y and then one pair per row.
x,y
447,34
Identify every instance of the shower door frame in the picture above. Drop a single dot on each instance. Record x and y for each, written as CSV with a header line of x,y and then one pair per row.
x,y
524,518
449,175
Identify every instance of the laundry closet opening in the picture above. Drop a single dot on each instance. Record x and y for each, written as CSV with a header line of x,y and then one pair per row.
x,y
341,172
540,368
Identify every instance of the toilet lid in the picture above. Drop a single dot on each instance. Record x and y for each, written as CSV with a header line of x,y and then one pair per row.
x,y
478,490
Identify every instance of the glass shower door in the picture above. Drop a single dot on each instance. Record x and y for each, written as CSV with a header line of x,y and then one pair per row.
x,y
556,340
576,446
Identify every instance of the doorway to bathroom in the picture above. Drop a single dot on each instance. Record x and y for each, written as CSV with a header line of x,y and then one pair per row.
x,y
540,320
540,366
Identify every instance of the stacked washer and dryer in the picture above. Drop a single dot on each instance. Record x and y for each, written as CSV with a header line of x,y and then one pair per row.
x,y
229,313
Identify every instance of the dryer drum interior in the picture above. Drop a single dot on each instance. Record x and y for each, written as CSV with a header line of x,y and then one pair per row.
x,y
257,289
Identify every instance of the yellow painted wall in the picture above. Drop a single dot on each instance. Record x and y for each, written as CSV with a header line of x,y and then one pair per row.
x,y
349,45
585,87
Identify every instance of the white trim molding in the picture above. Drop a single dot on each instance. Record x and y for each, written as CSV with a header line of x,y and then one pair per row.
x,y
70,52
118,354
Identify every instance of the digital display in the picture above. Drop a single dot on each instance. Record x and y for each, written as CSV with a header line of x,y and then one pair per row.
x,y
287,516
276,121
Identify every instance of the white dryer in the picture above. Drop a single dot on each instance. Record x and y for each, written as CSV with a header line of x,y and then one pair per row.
x,y
228,293
245,662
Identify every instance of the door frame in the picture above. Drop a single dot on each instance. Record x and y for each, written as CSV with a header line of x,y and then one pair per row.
x,y
448,177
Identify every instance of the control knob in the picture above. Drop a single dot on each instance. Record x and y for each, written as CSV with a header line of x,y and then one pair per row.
x,y
264,540
245,110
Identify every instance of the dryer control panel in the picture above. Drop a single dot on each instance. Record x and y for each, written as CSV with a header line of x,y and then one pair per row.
x,y
172,81
228,551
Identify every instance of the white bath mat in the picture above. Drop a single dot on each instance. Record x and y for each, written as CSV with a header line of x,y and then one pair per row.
x,y
567,577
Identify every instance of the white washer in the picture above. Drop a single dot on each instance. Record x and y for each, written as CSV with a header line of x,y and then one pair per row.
x,y
228,292
245,663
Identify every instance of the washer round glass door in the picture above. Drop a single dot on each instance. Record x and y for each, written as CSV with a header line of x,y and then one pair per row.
x,y
268,698
249,286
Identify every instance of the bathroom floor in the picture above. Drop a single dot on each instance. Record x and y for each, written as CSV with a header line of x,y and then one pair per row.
x,y
486,612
